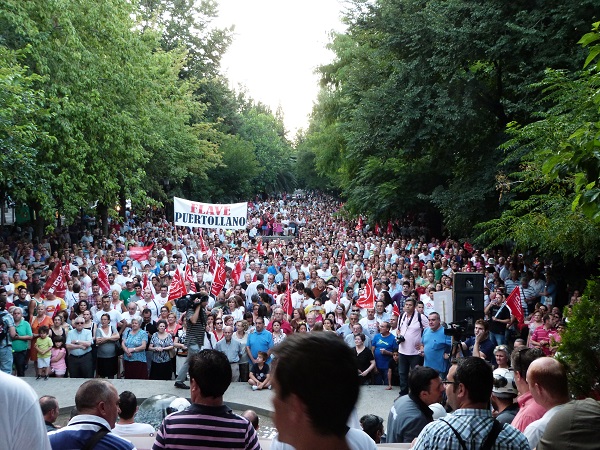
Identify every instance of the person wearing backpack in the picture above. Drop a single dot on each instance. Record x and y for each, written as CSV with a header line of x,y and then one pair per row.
x,y
468,388
7,334
410,330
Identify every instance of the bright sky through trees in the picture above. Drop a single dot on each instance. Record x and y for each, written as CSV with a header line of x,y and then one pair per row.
x,y
277,45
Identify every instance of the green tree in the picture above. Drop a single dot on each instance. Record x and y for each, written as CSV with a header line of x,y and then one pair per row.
x,y
422,93
117,106
550,205
21,109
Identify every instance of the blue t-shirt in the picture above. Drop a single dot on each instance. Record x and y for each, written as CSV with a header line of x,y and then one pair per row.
x,y
435,344
383,343
260,342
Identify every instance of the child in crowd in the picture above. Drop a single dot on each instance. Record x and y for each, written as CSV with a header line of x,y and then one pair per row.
x,y
260,378
58,359
393,377
43,346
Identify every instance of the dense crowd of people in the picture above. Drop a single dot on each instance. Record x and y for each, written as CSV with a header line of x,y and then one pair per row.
x,y
134,329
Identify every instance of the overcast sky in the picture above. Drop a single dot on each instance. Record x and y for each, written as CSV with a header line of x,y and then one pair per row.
x,y
277,46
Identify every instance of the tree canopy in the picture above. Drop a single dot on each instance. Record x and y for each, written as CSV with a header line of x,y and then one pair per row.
x,y
107,101
453,108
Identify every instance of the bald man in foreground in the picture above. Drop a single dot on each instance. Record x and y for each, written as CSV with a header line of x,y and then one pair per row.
x,y
547,380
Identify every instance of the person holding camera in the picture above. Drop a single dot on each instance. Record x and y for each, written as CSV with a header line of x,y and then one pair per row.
x,y
195,315
412,325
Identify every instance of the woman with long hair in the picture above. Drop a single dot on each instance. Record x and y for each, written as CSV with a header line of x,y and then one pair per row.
x,y
278,334
298,316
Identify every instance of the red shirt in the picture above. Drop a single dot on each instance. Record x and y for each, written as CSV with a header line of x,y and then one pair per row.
x,y
529,411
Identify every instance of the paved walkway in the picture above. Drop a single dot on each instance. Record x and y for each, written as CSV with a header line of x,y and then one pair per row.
x,y
372,400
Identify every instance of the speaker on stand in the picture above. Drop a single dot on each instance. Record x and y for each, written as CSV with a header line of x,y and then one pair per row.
x,y
467,299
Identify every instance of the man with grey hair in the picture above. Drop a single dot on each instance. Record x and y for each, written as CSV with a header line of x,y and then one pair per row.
x,y
347,328
233,350
356,330
97,402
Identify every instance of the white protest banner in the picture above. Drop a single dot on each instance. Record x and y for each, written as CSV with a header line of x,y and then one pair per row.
x,y
206,215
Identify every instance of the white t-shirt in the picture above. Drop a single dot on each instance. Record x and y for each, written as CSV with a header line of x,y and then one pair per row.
x,y
25,419
115,317
133,428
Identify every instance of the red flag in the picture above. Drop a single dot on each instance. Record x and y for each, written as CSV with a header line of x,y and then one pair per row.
x,y
189,277
468,247
341,287
144,282
367,300
287,301
212,261
377,229
259,248
237,271
176,288
359,225
203,248
103,277
219,278
140,253
66,270
389,227
396,310
516,308
56,282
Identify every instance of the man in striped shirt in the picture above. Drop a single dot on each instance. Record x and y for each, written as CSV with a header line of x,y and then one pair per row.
x,y
208,422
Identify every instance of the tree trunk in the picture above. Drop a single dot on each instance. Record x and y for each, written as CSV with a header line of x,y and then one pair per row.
x,y
103,213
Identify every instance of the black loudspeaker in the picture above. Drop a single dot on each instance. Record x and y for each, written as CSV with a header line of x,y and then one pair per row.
x,y
467,298
469,282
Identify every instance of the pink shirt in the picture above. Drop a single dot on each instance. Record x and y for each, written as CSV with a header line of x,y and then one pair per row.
x,y
529,411
412,331
61,364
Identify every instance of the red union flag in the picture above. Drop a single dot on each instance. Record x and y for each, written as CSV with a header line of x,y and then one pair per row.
x,y
359,225
396,310
203,247
341,286
468,247
367,299
144,282
103,277
219,278
377,229
389,227
189,277
287,301
66,270
176,288
56,282
237,271
259,248
212,261
516,308
140,253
